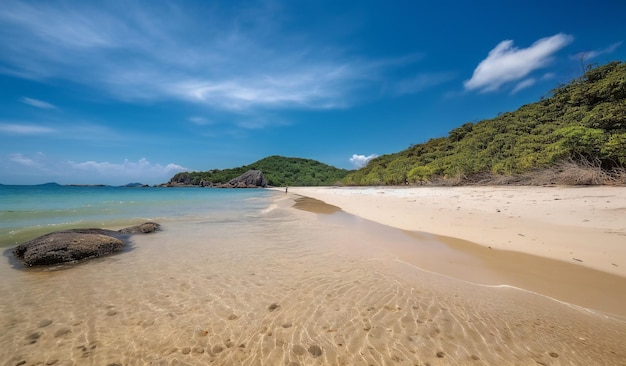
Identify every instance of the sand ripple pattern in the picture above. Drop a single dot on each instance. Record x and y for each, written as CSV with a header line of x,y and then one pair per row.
x,y
285,289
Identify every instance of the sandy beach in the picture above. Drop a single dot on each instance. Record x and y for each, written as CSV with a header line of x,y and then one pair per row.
x,y
564,242
274,285
585,226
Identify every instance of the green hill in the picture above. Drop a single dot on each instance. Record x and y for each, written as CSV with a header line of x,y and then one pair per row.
x,y
582,124
278,170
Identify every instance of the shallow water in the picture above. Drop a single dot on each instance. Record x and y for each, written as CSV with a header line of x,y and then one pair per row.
x,y
271,285
30,211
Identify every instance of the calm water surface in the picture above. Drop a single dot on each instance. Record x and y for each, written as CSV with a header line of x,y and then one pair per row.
x,y
29,211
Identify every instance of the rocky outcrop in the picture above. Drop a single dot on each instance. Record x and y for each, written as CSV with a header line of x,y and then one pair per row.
x,y
77,244
180,180
249,179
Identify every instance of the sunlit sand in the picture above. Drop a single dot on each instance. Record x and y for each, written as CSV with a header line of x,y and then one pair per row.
x,y
295,288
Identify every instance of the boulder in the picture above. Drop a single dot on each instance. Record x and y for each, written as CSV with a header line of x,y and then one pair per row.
x,y
249,179
145,228
61,247
182,179
76,244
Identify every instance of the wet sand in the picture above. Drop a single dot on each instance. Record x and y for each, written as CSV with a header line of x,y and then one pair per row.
x,y
297,288
581,225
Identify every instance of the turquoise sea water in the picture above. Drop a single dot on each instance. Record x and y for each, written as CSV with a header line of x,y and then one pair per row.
x,y
29,211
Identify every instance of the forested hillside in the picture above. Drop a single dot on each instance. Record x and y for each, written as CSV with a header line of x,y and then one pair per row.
x,y
581,123
278,170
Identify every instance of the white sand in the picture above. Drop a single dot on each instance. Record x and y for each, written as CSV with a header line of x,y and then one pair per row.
x,y
584,226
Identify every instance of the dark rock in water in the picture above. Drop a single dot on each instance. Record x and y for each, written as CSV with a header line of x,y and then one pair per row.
x,y
61,247
145,228
249,179
76,244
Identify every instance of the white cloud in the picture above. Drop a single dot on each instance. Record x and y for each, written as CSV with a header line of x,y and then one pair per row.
x,y
588,55
230,58
19,168
23,160
37,103
141,170
316,87
526,83
360,161
24,129
506,63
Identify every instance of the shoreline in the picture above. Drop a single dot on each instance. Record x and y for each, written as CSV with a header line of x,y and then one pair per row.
x,y
457,251
267,283
563,223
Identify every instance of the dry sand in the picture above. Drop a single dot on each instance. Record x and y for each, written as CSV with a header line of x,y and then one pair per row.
x,y
585,226
566,243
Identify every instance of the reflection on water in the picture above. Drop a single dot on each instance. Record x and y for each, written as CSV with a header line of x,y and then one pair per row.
x,y
281,287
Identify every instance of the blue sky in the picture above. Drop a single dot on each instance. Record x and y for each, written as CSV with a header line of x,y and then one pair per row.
x,y
121,91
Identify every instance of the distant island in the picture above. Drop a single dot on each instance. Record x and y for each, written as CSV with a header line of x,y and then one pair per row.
x,y
135,185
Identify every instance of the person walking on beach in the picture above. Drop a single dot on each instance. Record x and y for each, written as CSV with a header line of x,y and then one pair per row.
x,y
286,187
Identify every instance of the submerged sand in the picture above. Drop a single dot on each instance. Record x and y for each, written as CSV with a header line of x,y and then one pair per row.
x,y
299,288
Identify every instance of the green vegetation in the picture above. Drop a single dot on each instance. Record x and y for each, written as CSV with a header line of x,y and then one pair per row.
x,y
583,122
278,170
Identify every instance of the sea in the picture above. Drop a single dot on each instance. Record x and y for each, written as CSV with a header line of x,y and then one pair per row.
x,y
241,277
27,211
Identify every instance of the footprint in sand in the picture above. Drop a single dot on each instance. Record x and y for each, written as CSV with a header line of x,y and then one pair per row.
x,y
44,323
33,337
315,351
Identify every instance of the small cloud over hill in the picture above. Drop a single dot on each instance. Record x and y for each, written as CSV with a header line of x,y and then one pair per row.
x,y
360,161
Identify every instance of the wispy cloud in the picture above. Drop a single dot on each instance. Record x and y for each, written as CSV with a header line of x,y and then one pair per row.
x,y
231,59
141,170
24,129
526,83
589,55
309,88
507,64
37,103
23,160
43,168
360,161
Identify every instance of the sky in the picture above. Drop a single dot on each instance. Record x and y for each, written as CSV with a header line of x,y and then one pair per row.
x,y
113,92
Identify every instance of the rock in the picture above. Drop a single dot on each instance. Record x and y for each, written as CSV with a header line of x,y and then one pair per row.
x,y
61,247
249,179
76,244
145,228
